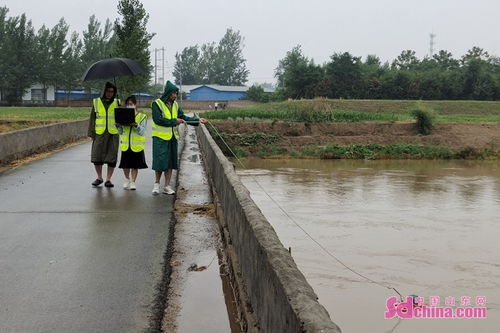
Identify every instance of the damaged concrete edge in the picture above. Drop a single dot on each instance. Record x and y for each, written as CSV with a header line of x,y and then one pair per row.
x,y
280,297
22,143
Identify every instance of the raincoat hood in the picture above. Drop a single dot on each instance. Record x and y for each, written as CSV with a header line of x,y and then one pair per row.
x,y
106,86
169,88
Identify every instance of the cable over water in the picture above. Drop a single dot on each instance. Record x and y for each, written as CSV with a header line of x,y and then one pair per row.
x,y
302,229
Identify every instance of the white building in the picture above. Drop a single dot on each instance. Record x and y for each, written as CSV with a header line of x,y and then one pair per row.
x,y
37,93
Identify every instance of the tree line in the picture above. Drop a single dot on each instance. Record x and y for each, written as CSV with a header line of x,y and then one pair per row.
x,y
55,57
475,75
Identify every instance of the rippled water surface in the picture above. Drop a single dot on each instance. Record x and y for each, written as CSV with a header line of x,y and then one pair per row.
x,y
429,228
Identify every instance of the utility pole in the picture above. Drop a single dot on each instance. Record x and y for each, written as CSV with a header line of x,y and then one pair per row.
x,y
156,64
159,67
431,46
163,66
180,81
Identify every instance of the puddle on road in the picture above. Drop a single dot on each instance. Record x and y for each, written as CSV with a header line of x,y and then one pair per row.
x,y
199,299
193,158
428,228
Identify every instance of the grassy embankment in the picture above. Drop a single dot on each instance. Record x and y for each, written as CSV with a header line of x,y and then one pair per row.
x,y
324,111
14,118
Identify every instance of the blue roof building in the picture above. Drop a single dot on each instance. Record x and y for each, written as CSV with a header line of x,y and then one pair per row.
x,y
213,92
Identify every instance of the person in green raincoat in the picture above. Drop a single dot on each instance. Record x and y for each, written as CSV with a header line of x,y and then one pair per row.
x,y
167,116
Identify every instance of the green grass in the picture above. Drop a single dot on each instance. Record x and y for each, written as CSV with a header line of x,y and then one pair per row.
x,y
43,113
325,110
465,118
377,152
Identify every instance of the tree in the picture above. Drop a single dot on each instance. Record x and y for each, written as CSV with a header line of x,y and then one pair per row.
x,y
212,63
295,73
476,53
57,46
72,64
187,65
344,72
133,41
42,42
97,44
406,60
17,56
3,49
256,93
478,82
445,60
208,62
97,41
230,65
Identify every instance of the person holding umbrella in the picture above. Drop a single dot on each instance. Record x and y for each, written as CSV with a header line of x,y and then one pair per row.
x,y
104,134
167,115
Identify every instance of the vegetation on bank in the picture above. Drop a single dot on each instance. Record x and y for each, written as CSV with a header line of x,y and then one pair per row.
x,y
266,146
328,110
43,113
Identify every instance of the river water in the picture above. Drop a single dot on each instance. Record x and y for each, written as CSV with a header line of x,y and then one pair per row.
x,y
429,228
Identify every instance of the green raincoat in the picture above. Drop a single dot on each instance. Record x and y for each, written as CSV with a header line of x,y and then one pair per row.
x,y
165,155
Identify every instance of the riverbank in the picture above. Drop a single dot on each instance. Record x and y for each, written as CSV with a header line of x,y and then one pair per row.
x,y
361,140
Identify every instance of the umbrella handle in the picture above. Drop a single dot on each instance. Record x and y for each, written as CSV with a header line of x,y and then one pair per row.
x,y
117,97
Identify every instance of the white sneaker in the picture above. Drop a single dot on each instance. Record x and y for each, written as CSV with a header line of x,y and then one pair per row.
x,y
156,189
168,190
132,186
126,184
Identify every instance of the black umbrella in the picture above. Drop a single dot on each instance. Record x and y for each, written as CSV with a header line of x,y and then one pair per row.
x,y
112,67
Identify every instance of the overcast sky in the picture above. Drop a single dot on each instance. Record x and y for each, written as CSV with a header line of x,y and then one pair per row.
x,y
273,27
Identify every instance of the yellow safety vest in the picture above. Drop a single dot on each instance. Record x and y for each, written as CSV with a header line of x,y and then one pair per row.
x,y
131,137
166,132
105,119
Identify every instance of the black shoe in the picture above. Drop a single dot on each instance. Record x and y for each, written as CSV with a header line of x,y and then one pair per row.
x,y
97,182
108,183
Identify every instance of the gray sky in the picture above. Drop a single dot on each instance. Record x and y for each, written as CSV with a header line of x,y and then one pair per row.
x,y
272,27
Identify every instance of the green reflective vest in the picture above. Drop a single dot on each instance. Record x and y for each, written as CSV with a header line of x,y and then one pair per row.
x,y
105,119
130,136
166,132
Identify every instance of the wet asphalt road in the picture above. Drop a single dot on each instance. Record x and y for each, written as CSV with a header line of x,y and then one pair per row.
x,y
75,258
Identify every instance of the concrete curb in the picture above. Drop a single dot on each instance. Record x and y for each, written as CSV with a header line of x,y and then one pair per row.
x,y
18,144
280,297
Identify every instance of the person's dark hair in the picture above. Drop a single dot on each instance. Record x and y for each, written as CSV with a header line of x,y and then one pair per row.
x,y
132,99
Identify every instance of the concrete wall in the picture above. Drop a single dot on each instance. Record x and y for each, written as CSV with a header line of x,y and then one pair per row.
x,y
19,144
280,296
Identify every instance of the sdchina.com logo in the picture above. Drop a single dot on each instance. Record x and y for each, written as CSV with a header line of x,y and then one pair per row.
x,y
416,309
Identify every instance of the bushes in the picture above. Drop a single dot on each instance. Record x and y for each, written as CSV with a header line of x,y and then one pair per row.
x,y
425,118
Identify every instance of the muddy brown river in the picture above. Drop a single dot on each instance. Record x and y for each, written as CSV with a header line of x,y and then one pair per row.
x,y
429,228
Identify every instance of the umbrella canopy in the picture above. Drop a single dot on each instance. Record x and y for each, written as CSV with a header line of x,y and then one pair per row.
x,y
112,67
